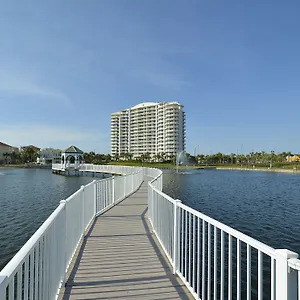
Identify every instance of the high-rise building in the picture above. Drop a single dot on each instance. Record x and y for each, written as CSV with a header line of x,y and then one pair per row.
x,y
148,128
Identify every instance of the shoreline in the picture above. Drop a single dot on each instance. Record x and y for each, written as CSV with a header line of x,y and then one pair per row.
x,y
278,170
24,167
8,167
170,167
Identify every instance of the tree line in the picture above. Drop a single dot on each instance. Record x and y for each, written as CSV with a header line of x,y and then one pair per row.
x,y
29,154
250,158
253,158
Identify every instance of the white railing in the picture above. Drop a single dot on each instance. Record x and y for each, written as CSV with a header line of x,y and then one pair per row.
x,y
293,276
38,270
111,169
216,261
213,260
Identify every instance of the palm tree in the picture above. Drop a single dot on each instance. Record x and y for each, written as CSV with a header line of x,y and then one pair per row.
x,y
200,158
107,158
232,158
219,157
29,154
172,158
147,156
6,155
155,157
163,156
15,157
160,156
122,155
87,158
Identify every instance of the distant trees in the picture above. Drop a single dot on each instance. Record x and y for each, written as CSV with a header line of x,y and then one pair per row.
x,y
29,154
12,158
6,155
15,157
96,158
26,155
251,158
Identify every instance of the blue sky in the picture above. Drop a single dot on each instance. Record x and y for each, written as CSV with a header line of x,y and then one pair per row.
x,y
65,66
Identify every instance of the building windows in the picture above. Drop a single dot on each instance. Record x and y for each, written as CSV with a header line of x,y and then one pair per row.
x,y
148,127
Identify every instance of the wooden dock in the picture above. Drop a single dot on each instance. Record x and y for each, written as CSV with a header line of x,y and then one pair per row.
x,y
120,258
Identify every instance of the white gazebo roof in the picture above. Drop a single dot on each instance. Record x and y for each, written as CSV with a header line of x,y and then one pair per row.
x,y
73,149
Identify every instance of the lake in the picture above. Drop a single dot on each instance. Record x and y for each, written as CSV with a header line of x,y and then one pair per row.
x,y
264,205
27,198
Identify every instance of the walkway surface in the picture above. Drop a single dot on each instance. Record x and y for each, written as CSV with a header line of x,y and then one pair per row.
x,y
120,258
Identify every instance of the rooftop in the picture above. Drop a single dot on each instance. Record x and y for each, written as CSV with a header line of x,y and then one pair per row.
x,y
73,149
5,145
145,104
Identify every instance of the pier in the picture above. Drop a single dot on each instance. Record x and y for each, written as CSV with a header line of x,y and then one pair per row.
x,y
122,237
121,258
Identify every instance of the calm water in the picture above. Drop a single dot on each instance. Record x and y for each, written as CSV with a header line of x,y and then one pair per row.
x,y
27,198
263,205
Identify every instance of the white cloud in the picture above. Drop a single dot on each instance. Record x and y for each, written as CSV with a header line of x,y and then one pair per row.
x,y
44,136
12,85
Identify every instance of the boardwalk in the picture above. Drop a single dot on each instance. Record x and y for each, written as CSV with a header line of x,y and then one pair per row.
x,y
120,259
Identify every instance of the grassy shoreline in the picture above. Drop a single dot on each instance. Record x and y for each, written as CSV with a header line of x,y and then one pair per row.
x,y
12,166
260,169
286,169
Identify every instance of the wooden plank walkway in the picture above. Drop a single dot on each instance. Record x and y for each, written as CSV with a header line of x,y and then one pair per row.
x,y
120,258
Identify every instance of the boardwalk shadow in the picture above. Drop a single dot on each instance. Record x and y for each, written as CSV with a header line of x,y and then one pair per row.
x,y
121,264
74,268
176,282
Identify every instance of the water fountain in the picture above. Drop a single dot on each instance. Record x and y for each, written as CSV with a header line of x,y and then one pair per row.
x,y
181,159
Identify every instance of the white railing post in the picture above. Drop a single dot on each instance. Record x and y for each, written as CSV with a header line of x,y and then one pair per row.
x,y
124,178
82,211
65,243
132,177
286,279
3,287
152,204
175,232
95,197
113,190
149,203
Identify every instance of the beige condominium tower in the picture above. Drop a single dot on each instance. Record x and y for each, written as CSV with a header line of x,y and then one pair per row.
x,y
148,128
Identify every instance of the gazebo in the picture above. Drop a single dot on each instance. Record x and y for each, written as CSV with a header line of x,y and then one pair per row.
x,y
71,158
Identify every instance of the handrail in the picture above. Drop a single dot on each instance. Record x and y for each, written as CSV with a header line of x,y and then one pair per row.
x,y
243,237
29,245
229,230
204,253
115,169
39,268
294,263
